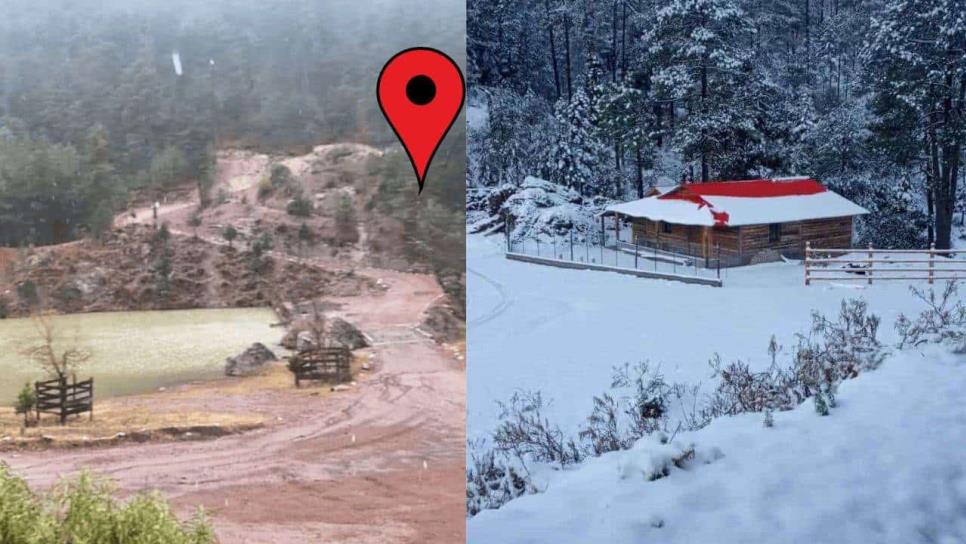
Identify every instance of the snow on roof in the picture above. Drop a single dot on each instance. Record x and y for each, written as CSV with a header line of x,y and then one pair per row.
x,y
735,203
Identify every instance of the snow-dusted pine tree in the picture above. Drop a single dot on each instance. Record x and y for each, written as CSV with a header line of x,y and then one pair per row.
x,y
917,70
575,150
701,51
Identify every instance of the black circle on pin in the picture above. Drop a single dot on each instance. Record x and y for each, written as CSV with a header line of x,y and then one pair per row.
x,y
420,90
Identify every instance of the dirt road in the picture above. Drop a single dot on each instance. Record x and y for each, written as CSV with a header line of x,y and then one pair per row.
x,y
381,463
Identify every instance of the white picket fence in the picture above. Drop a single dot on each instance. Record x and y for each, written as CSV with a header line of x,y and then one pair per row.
x,y
868,265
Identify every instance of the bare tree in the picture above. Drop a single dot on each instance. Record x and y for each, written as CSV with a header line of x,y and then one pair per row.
x,y
316,325
49,353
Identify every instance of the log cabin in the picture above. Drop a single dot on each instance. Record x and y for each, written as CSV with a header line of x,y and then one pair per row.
x,y
734,223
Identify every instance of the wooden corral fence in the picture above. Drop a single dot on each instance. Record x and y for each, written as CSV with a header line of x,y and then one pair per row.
x,y
62,398
322,364
822,264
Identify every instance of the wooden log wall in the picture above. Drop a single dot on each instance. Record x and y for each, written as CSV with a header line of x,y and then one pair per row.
x,y
745,241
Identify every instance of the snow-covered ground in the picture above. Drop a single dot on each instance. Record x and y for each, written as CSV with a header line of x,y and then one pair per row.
x,y
886,465
533,327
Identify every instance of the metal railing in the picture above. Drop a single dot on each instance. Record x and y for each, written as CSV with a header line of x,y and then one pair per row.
x,y
868,265
607,252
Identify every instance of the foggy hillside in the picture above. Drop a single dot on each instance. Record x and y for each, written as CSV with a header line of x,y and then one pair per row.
x,y
92,106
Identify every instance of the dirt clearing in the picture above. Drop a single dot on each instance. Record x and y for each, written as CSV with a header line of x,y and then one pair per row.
x,y
381,462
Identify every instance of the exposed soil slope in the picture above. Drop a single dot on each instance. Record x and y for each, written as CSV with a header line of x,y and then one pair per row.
x,y
117,274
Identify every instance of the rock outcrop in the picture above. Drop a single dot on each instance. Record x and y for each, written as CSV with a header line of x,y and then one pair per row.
x,y
249,361
345,333
338,332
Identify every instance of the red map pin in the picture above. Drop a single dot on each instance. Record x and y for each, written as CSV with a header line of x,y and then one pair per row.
x,y
421,92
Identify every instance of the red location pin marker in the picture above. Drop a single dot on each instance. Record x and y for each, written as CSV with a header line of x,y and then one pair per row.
x,y
421,93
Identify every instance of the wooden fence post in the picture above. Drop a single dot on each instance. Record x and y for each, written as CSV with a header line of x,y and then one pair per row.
x,y
932,253
871,264
808,258
63,401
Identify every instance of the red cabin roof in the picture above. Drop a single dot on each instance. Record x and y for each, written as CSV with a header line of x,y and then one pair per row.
x,y
758,188
733,203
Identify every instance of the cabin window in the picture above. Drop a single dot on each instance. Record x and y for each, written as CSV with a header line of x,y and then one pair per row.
x,y
666,228
775,232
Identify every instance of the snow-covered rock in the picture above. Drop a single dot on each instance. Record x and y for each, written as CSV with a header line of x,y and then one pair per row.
x,y
536,208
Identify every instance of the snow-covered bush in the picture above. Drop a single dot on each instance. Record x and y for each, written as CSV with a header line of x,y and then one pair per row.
x,y
528,436
834,351
742,390
844,348
637,406
943,320
491,482
635,414
654,457
604,431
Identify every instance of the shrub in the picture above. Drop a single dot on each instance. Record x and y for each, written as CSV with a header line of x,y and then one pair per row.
x,y
528,435
848,345
638,407
346,223
265,189
4,307
27,292
229,234
195,221
23,519
490,481
259,254
280,176
842,349
299,207
83,510
162,266
943,320
26,400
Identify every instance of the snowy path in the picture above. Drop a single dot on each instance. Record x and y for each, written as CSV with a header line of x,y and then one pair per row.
x,y
503,303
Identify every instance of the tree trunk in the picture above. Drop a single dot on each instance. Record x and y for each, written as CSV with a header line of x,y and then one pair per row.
x,y
570,89
640,172
930,194
553,52
704,143
613,43
944,155
808,42
670,112
623,38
